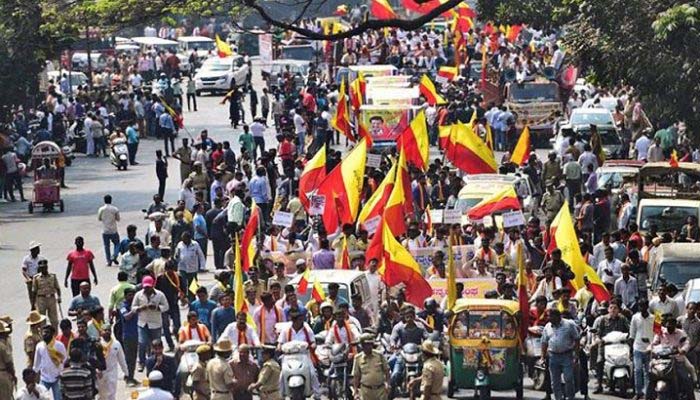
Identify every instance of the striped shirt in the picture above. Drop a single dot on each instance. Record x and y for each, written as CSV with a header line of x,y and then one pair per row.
x,y
77,383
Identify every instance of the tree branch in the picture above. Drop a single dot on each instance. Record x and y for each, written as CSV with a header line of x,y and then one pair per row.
x,y
405,24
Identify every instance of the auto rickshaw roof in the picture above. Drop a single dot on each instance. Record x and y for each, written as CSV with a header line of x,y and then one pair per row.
x,y
46,149
508,306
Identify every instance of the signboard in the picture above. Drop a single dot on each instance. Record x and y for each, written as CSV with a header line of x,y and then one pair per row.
x,y
265,44
282,218
424,255
385,123
436,216
373,160
371,225
514,218
473,288
452,216
317,204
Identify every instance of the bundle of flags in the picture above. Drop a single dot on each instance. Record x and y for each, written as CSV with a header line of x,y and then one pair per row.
x,y
317,292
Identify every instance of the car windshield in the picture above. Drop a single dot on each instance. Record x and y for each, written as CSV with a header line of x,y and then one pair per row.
x,y
216,67
534,91
464,205
484,324
666,218
293,68
610,180
342,292
585,118
678,272
203,45
609,138
298,53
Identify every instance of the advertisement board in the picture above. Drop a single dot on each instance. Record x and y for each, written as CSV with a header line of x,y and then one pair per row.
x,y
385,123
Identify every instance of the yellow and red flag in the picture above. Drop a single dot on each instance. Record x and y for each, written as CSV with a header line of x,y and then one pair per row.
x,y
311,177
449,73
428,90
512,32
395,210
658,322
177,117
377,202
674,159
341,119
358,88
488,139
341,10
239,302
563,236
345,255
401,267
342,188
248,238
317,291
223,49
381,9
505,199
303,285
521,151
468,152
414,142
444,133
523,299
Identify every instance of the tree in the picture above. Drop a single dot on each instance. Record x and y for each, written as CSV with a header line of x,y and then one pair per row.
x,y
539,14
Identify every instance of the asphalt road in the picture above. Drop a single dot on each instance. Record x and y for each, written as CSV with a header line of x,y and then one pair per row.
x,y
89,179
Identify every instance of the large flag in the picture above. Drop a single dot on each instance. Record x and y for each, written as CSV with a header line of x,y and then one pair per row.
x,y
400,267
358,88
563,236
381,9
177,117
341,119
414,142
311,177
223,49
342,188
428,90
451,279
374,207
468,152
248,238
345,255
444,133
505,199
395,210
522,294
521,151
449,73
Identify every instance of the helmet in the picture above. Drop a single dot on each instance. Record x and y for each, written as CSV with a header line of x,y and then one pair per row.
x,y
430,302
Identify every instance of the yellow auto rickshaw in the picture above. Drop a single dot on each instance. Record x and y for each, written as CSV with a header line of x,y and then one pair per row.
x,y
484,347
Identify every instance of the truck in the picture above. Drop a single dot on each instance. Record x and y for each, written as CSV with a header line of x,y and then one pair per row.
x,y
536,104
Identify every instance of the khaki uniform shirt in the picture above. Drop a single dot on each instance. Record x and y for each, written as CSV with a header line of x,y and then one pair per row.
x,y
6,388
31,339
46,286
185,155
199,181
371,369
431,383
269,379
259,288
200,382
220,377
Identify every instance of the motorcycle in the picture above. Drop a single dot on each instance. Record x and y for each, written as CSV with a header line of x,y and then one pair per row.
x,y
618,367
188,361
413,367
119,155
296,370
338,373
663,376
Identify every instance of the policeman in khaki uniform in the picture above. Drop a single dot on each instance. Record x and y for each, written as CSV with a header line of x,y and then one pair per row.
x,y
268,383
219,372
33,336
46,292
433,373
7,368
370,372
200,384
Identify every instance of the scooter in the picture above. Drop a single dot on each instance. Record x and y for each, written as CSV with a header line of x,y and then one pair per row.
x,y
663,376
295,378
119,154
338,374
533,347
618,367
413,367
188,361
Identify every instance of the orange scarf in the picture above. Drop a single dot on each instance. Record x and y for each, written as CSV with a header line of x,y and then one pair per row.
x,y
242,338
263,310
200,331
314,358
338,339
273,244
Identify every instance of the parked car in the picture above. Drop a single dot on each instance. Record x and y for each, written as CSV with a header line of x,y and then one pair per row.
x,y
76,79
580,123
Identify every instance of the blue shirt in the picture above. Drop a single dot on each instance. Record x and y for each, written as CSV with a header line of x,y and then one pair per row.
x,y
166,121
204,311
124,244
130,327
132,135
199,222
560,338
220,318
258,190
85,303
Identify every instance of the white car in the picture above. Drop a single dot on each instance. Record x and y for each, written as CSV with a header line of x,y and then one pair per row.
x,y
217,74
608,103
76,79
580,123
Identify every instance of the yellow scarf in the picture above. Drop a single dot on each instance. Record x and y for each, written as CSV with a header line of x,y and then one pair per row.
x,y
430,321
55,355
106,347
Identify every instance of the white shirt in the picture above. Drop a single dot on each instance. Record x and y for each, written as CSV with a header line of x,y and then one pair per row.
x,y
187,195
299,124
642,328
257,129
376,288
290,335
30,265
342,333
190,258
231,332
152,318
272,317
24,394
155,394
642,146
43,364
109,215
614,267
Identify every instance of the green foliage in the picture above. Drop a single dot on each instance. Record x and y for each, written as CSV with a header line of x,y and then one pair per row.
x,y
539,14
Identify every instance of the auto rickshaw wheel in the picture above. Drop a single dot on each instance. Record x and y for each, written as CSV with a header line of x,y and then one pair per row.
x,y
483,393
450,389
31,207
61,205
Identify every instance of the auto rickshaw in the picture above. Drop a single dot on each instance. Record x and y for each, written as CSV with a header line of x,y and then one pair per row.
x,y
47,180
484,348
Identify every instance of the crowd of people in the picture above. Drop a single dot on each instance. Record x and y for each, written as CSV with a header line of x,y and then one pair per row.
x,y
161,272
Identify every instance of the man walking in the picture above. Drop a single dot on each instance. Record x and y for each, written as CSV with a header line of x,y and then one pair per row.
x,y
641,333
114,360
161,172
109,216
560,339
48,360
30,267
132,142
46,293
184,155
80,264
149,304
77,381
370,371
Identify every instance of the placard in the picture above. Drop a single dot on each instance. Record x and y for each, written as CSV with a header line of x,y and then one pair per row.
x,y
424,255
372,224
317,204
436,216
282,218
452,216
441,79
373,160
474,288
513,218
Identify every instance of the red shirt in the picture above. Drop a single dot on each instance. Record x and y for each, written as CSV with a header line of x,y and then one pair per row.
x,y
217,156
81,263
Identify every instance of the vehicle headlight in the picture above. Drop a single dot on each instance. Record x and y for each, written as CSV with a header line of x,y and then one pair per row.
x,y
411,358
480,375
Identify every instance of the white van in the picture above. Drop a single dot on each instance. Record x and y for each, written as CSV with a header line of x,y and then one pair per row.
x,y
204,46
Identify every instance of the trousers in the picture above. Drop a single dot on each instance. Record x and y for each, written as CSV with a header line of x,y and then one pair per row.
x,y
562,364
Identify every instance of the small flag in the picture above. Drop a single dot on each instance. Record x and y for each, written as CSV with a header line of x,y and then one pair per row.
x,y
317,292
303,283
674,159
194,286
345,255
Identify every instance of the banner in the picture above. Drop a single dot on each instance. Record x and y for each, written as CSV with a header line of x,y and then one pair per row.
x,y
385,123
424,255
473,288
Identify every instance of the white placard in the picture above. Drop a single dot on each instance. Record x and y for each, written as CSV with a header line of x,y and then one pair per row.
x,y
513,218
452,216
317,204
372,224
441,79
373,160
282,218
436,216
